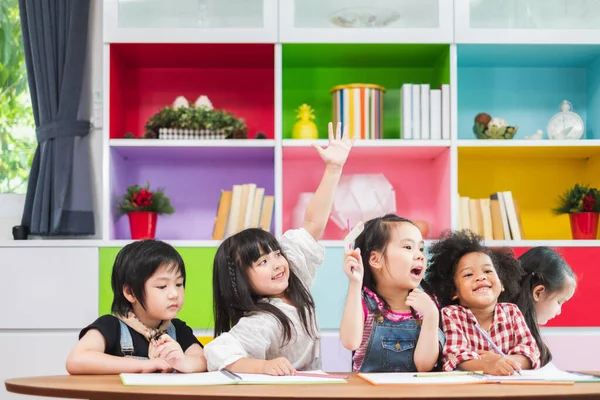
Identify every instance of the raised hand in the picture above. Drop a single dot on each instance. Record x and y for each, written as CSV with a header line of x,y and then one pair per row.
x,y
338,148
353,266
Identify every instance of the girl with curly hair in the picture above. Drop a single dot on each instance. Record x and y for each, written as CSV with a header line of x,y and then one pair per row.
x,y
470,281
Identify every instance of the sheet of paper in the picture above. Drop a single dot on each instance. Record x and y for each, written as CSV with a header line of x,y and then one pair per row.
x,y
260,379
410,378
218,378
551,373
177,379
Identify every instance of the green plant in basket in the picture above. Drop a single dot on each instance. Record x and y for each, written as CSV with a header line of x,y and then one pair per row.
x,y
196,118
579,198
486,127
141,198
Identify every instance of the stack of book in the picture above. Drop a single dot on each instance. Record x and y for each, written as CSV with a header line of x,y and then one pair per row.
x,y
245,206
425,112
495,218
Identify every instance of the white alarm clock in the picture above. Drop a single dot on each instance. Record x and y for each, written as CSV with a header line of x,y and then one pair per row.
x,y
566,124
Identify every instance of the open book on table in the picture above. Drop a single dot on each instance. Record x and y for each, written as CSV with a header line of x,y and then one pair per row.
x,y
548,375
220,378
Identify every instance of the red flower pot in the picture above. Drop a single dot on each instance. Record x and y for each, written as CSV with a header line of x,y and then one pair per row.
x,y
584,225
142,224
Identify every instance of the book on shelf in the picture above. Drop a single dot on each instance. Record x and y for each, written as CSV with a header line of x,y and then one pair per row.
x,y
244,206
495,218
425,111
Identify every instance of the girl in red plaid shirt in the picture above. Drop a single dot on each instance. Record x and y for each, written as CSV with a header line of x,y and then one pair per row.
x,y
389,323
468,279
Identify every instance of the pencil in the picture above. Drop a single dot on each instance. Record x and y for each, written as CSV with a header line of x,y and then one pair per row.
x,y
496,348
452,373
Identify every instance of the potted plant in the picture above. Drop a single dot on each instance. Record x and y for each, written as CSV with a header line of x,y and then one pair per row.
x,y
142,206
582,203
195,122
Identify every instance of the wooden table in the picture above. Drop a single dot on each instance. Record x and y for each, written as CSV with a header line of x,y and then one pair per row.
x,y
110,388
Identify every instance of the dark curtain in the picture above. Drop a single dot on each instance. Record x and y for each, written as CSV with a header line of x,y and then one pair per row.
x,y
59,199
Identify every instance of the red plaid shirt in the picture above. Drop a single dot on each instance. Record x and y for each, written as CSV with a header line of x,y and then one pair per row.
x,y
509,332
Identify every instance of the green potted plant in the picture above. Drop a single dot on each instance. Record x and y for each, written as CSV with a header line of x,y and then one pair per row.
x,y
582,203
195,122
142,206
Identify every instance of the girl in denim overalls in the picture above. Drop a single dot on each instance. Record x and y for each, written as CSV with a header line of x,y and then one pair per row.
x,y
142,333
389,323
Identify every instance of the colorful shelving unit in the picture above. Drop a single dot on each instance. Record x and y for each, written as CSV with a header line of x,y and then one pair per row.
x,y
261,59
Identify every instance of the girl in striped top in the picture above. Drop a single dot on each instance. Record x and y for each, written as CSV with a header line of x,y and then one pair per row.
x,y
389,323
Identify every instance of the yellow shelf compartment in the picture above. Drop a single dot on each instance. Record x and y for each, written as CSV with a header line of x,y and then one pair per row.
x,y
536,176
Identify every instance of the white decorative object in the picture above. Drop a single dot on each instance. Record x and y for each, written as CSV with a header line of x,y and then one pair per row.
x,y
204,101
498,123
566,124
362,197
363,17
179,134
179,102
539,134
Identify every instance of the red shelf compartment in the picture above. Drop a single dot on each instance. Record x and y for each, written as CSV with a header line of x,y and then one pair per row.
x,y
577,312
146,77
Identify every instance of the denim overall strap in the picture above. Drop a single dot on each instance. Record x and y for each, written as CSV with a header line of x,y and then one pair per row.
x,y
171,331
127,343
391,343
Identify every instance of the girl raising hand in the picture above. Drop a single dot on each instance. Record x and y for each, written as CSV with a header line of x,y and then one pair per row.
x,y
389,322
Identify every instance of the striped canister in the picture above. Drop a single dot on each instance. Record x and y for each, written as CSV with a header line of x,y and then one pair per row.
x,y
359,106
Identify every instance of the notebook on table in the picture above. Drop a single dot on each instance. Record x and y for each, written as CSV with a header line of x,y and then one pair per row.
x,y
548,375
220,378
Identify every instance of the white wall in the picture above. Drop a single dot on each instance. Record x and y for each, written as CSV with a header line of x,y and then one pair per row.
x,y
48,295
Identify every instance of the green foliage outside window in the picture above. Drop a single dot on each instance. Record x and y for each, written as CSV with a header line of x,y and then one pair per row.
x,y
17,133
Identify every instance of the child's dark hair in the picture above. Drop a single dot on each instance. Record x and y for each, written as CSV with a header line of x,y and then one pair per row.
x,y
447,251
542,266
134,264
375,237
232,292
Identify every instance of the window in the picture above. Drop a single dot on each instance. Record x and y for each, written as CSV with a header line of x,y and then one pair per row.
x,y
17,128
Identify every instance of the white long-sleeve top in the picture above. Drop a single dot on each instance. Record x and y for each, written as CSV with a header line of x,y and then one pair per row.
x,y
259,336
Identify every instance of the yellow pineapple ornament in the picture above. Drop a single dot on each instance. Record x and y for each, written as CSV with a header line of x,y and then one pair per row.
x,y
305,128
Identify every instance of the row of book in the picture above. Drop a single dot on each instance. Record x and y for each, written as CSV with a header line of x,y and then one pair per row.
x,y
244,206
425,112
495,218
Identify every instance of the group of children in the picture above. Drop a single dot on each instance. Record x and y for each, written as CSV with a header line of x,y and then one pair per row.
x,y
460,306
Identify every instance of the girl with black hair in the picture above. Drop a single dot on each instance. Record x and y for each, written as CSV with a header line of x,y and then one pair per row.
x,y
470,281
389,323
142,334
548,283
264,313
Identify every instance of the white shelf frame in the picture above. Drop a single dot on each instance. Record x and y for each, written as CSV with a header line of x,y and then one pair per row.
x,y
191,143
